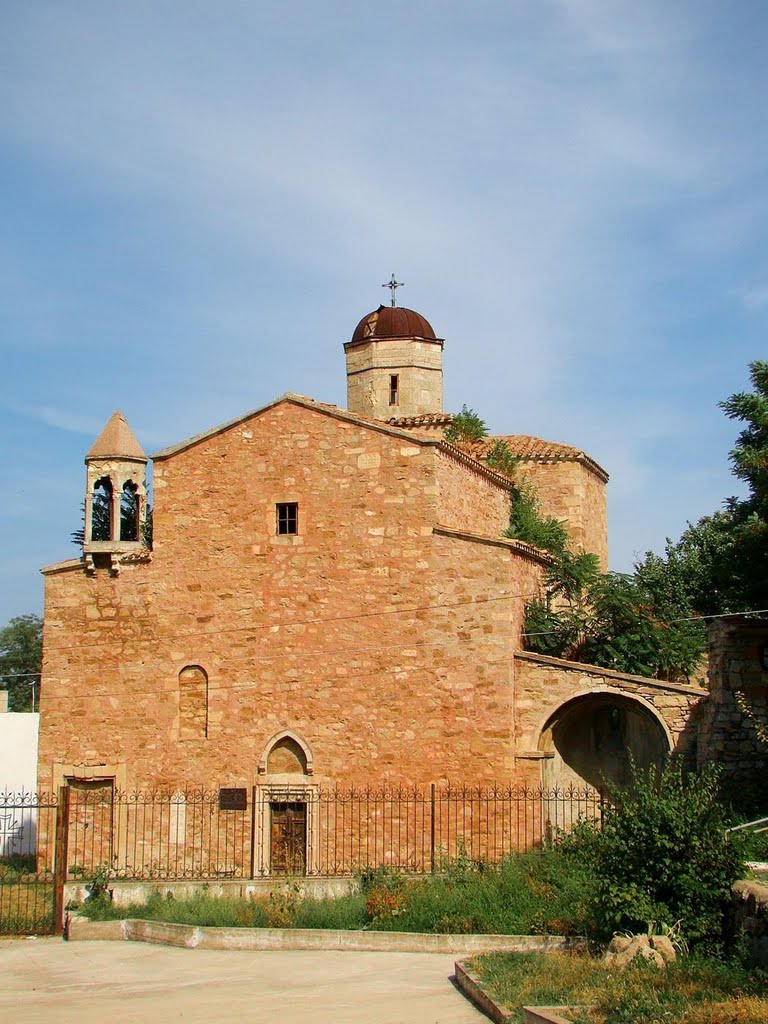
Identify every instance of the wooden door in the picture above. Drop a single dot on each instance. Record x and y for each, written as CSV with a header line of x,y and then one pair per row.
x,y
90,825
288,845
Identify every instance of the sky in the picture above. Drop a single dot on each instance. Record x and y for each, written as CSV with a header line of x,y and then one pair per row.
x,y
200,199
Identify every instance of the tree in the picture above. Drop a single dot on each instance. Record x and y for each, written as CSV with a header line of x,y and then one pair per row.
x,y
21,652
748,557
750,454
465,426
720,562
617,621
646,621
529,524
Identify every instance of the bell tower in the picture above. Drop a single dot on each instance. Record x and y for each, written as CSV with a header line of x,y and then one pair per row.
x,y
116,495
394,365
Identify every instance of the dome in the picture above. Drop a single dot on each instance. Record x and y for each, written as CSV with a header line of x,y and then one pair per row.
x,y
393,322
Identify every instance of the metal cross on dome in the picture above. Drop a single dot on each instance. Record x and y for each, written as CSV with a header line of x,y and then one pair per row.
x,y
393,285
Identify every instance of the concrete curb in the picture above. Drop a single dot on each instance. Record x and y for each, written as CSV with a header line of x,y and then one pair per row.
x,y
471,986
192,937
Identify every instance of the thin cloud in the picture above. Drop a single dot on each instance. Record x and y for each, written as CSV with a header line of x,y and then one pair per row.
x,y
570,190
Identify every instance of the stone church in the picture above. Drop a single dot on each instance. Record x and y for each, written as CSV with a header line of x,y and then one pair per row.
x,y
328,595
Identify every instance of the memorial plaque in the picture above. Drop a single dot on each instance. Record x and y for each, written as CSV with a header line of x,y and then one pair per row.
x,y
233,799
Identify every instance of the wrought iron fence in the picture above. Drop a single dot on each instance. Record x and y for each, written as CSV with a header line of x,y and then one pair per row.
x,y
27,884
307,830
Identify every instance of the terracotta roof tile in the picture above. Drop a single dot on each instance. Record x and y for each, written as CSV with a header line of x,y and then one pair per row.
x,y
430,419
527,448
535,449
116,439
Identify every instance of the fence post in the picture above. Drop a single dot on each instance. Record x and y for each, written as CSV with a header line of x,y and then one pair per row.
x,y
60,858
432,828
253,832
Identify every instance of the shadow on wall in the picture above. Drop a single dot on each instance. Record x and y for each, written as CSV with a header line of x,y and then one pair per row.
x,y
593,738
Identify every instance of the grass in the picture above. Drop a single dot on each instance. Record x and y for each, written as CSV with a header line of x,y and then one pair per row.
x,y
528,894
26,898
756,846
690,991
26,907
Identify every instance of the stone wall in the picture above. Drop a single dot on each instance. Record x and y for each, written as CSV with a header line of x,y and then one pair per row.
x,y
469,499
418,366
545,687
737,648
569,490
383,645
750,909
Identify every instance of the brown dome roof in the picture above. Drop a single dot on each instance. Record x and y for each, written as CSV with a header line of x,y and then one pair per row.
x,y
393,322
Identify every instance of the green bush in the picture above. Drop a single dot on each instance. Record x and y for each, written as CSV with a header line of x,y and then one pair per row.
x,y
528,523
661,856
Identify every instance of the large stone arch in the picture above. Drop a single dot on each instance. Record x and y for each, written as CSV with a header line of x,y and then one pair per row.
x,y
591,738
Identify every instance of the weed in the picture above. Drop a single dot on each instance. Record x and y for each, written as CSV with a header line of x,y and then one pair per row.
x,y
282,904
539,893
638,994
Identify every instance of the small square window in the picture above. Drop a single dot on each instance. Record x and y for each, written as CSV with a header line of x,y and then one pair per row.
x,y
287,517
394,388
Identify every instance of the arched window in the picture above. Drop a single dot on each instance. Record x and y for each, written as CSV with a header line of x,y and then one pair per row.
x,y
287,758
101,510
129,511
193,703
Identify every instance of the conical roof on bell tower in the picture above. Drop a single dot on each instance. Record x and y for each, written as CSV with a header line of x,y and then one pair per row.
x,y
116,441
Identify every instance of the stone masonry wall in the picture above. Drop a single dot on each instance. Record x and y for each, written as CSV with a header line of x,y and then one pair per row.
x,y
750,918
544,684
418,365
728,737
468,500
383,646
571,491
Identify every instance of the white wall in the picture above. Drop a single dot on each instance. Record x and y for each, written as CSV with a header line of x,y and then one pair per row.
x,y
18,751
18,773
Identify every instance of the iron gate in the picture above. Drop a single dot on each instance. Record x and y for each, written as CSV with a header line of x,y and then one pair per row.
x,y
31,828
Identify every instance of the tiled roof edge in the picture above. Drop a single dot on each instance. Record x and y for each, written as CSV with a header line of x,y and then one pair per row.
x,y
568,454
67,566
471,463
306,403
518,546
609,673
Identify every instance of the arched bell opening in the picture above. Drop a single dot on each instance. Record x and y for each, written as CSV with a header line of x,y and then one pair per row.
x,y
101,510
129,511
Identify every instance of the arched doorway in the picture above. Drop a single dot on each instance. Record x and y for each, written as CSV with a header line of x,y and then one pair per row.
x,y
592,738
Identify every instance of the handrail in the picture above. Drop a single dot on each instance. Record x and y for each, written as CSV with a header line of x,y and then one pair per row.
x,y
750,824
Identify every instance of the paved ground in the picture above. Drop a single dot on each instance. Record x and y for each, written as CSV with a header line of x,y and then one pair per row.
x,y
49,980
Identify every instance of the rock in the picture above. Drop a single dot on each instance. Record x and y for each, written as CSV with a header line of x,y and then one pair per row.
x,y
663,945
650,954
619,943
624,949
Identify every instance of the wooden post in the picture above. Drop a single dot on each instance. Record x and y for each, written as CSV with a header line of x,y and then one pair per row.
x,y
60,859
